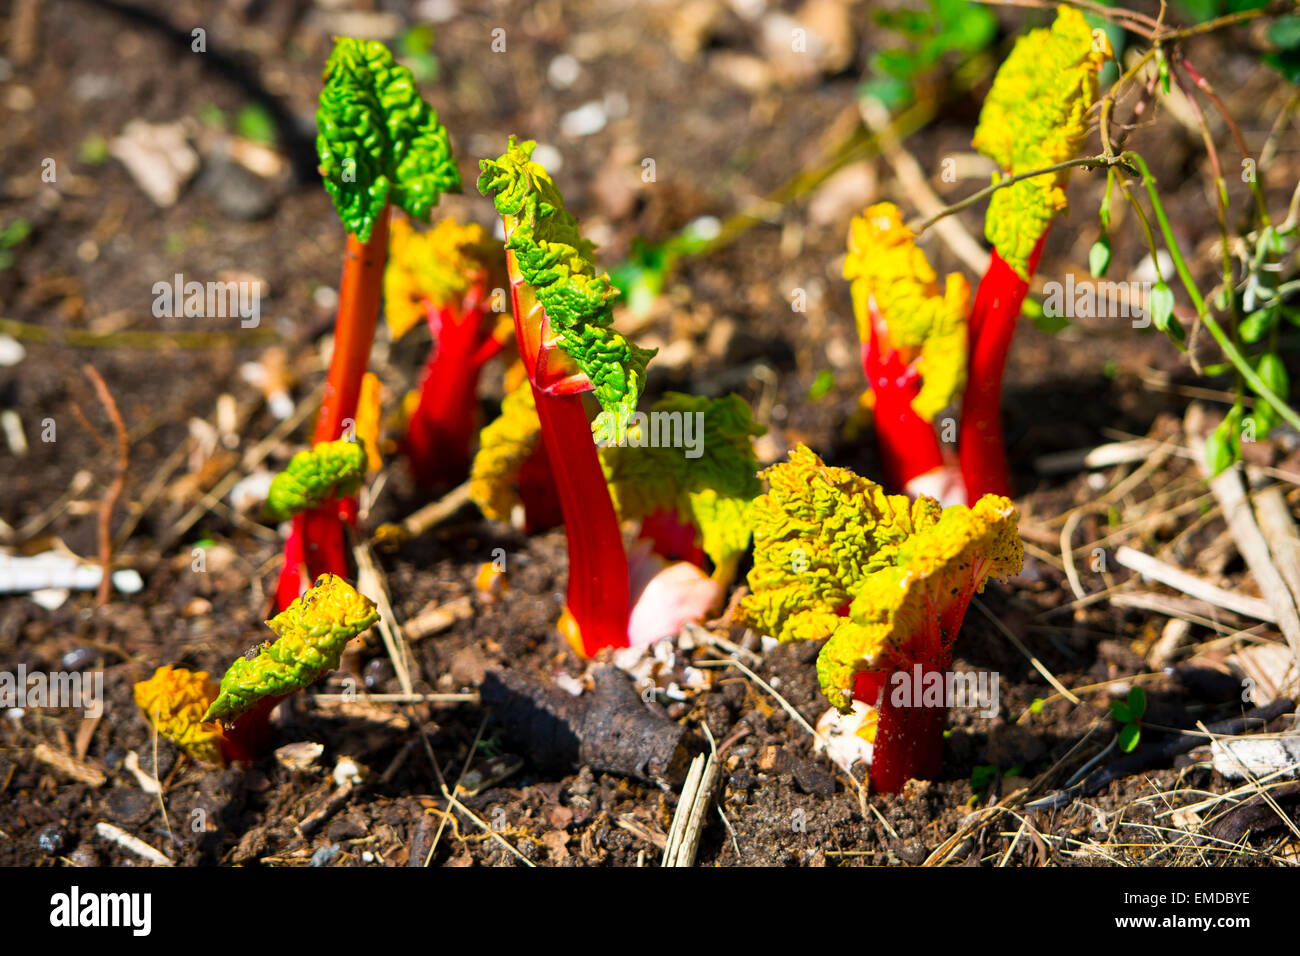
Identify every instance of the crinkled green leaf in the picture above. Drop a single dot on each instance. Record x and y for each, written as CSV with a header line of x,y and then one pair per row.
x,y
556,262
332,469
837,558
710,480
379,141
311,634
1036,115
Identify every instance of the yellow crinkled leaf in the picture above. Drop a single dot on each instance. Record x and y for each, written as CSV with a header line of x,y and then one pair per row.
x,y
708,481
1036,115
174,701
924,592
827,541
886,268
504,445
439,265
311,634
818,532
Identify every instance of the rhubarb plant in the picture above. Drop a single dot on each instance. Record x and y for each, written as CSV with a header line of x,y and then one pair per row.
x,y
913,348
885,581
307,492
687,513
1034,118
445,277
563,312
219,723
380,145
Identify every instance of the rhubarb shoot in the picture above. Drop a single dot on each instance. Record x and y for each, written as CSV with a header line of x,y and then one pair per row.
x,y
1035,116
913,347
380,145
308,491
885,581
444,277
311,634
562,313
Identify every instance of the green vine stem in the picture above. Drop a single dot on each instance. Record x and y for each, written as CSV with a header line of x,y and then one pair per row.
x,y
1230,350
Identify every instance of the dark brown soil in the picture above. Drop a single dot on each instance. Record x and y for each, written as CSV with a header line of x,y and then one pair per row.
x,y
98,245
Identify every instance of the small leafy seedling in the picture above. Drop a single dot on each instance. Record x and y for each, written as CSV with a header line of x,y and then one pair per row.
x,y
1129,713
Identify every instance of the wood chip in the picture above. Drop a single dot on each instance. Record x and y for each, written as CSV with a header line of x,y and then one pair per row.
x,y
120,837
1275,520
1231,494
1271,669
435,620
697,795
69,765
1102,456
1190,584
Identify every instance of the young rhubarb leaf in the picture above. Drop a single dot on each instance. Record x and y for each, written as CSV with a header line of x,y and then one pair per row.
x,y
329,470
174,701
709,485
311,634
899,306
826,540
503,448
556,263
1036,115
379,142
436,267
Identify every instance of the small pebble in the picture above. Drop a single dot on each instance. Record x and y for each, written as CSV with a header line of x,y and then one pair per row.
x,y
84,856
11,351
563,71
584,121
79,658
325,855
300,756
377,673
50,839
347,770
326,298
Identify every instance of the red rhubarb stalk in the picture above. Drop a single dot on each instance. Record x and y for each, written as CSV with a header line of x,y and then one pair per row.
x,y
562,314
980,445
908,444
441,429
1034,118
909,734
367,99
913,335
598,579
354,329
442,276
